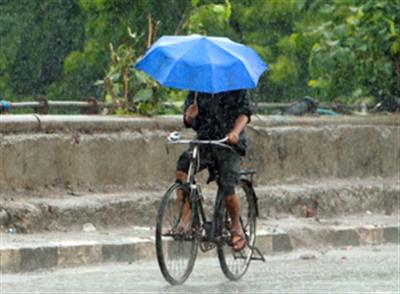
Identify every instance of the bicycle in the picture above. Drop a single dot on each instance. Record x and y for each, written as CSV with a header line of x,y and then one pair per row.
x,y
177,252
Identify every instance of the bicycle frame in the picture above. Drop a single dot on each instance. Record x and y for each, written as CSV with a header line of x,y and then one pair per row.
x,y
201,231
196,202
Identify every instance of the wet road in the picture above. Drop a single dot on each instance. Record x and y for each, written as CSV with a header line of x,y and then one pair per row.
x,y
347,270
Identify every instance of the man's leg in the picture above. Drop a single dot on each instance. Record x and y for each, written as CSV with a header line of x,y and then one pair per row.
x,y
181,175
186,212
232,204
229,167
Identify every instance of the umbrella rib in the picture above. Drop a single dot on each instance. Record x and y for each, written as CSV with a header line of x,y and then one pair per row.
x,y
163,43
212,67
244,63
177,59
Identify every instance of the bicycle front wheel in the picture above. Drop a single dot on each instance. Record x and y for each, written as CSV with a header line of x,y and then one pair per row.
x,y
235,264
176,252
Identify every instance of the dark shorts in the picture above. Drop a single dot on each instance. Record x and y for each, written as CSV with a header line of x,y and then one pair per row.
x,y
225,162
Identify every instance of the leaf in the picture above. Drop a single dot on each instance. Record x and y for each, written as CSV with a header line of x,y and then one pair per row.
x,y
395,48
327,9
363,48
115,77
218,9
146,108
313,83
392,28
388,68
132,35
332,43
140,76
116,88
99,82
121,111
109,98
73,62
300,4
354,9
357,93
284,71
320,83
228,10
316,47
143,95
352,20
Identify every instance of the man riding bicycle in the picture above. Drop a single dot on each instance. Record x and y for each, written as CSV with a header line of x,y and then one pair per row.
x,y
214,116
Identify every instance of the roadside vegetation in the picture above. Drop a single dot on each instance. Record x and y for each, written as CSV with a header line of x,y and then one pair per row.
x,y
345,51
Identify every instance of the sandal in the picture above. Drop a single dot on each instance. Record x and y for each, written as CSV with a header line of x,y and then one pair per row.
x,y
240,243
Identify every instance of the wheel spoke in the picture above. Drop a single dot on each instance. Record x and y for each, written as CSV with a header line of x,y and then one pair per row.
x,y
234,264
176,252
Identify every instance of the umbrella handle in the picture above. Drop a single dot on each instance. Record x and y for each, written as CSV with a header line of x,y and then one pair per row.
x,y
195,98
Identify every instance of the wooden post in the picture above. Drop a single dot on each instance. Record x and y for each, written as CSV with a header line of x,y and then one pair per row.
x,y
150,32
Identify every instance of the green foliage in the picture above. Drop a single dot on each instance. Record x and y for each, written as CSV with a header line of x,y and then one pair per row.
x,y
267,26
132,91
356,53
346,50
284,71
35,42
60,48
210,19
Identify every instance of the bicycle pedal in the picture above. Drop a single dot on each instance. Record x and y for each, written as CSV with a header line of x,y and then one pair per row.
x,y
206,246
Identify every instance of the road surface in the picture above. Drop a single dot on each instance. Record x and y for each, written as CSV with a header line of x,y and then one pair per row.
x,y
345,270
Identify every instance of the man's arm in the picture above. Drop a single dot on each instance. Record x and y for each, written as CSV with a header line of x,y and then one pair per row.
x,y
240,124
243,118
191,110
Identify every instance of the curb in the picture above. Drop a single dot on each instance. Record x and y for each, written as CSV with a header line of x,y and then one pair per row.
x,y
65,123
30,258
138,207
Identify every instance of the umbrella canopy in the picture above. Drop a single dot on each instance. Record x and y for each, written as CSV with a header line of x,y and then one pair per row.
x,y
203,64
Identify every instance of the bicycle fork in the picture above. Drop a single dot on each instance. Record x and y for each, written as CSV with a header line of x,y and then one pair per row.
x,y
217,221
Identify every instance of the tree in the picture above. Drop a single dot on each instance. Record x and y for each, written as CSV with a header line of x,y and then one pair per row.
x,y
36,37
60,48
358,50
330,49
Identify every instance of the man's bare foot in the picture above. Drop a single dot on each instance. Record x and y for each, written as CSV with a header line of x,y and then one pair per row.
x,y
238,240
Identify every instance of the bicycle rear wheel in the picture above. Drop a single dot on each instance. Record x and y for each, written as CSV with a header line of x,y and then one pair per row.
x,y
235,264
176,253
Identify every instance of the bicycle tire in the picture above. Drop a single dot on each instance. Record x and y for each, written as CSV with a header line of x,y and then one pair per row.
x,y
175,255
235,264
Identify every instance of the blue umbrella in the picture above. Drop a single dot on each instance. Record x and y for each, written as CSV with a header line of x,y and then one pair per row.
x,y
203,64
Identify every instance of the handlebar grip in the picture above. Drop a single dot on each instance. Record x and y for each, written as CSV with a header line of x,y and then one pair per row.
x,y
174,136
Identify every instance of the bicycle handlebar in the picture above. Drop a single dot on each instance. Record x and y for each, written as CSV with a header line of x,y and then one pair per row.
x,y
174,138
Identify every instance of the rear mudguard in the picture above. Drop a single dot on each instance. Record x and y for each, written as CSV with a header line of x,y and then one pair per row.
x,y
249,186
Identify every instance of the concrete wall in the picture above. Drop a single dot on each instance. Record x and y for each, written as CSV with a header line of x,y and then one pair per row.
x,y
95,151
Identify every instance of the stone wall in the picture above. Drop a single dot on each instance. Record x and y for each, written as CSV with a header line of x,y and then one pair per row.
x,y
97,151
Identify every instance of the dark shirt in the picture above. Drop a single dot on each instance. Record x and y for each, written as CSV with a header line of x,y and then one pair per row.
x,y
218,114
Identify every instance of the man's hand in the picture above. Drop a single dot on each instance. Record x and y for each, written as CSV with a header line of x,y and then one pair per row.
x,y
233,137
191,112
